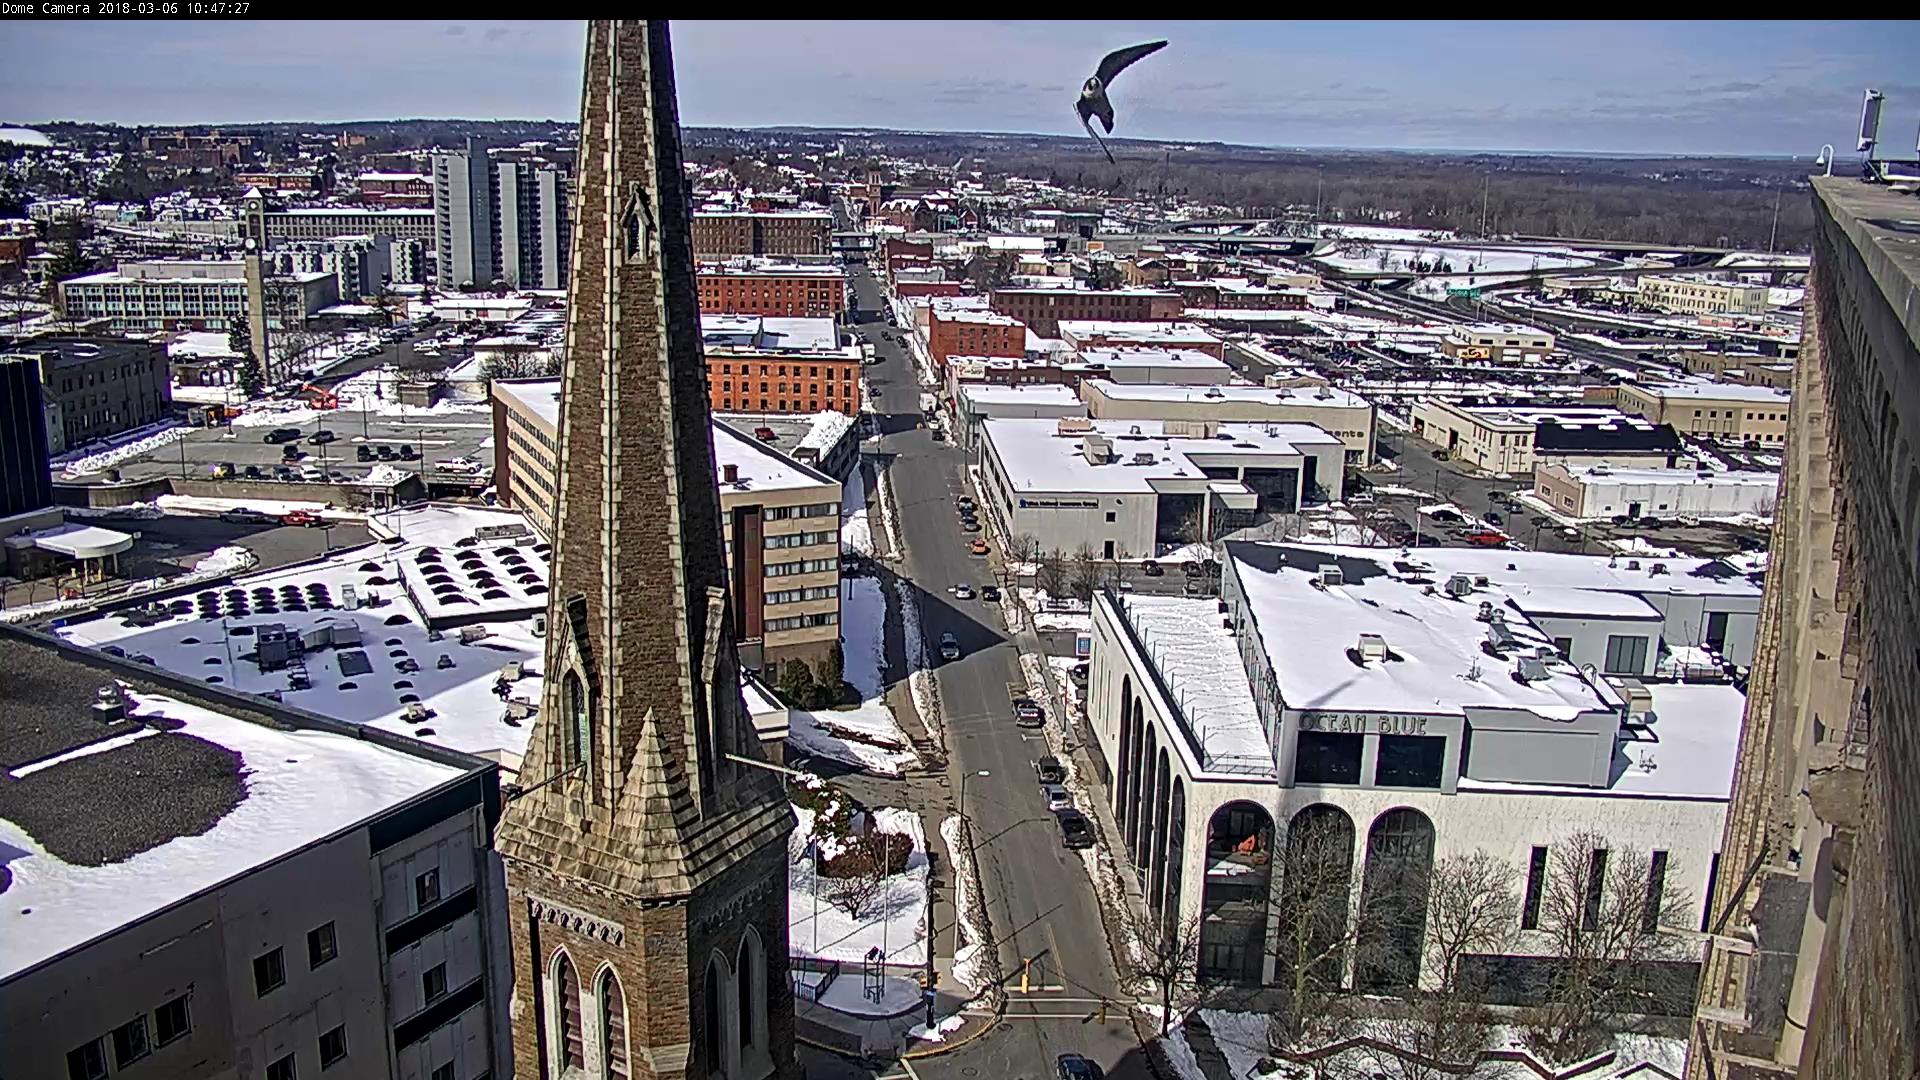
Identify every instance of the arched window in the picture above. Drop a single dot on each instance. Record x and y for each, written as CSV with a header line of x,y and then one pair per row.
x,y
580,731
1317,886
566,982
712,1037
1176,854
1157,858
747,979
613,1028
1393,901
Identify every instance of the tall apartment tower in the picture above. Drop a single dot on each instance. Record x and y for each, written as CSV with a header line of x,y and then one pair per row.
x,y
1813,966
500,220
253,254
646,857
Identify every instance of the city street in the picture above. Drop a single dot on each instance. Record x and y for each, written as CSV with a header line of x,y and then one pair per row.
x,y
1041,902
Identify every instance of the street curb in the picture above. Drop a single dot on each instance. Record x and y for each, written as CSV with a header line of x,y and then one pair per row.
x,y
948,1047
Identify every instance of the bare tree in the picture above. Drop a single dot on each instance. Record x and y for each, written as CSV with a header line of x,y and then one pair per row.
x,y
1317,908
1471,909
1085,574
1168,957
1023,547
1612,927
856,894
1052,576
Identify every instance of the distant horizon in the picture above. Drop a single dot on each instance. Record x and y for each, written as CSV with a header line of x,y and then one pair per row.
x,y
870,131
1646,89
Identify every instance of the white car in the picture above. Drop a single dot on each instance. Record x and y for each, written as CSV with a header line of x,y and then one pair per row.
x,y
963,592
1058,798
1364,498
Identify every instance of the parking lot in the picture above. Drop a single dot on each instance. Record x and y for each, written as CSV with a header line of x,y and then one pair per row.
x,y
441,437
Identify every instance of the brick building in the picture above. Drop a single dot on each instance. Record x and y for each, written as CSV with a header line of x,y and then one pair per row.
x,y
906,289
93,387
768,287
1043,309
1088,334
973,333
395,188
771,365
645,855
773,232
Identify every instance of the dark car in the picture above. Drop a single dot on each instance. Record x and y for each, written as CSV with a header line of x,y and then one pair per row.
x,y
384,452
965,503
243,516
253,472
971,525
363,453
1075,830
1075,1067
1494,518
1049,770
324,435
290,452
407,452
1152,569
1027,714
990,593
281,434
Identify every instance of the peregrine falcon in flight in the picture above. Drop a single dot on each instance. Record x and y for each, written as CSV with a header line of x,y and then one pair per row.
x,y
1093,96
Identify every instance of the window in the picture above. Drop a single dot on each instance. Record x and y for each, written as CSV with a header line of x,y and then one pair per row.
x,y
333,1046
1563,646
1110,516
442,1072
1596,889
1409,761
1326,757
433,983
321,946
1536,884
1626,654
269,972
130,1042
282,1069
426,888
171,1021
1656,893
87,1061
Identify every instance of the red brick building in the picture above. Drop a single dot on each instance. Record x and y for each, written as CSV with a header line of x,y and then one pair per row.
x,y
794,232
755,380
1239,296
395,188
781,289
305,181
906,289
974,333
1043,309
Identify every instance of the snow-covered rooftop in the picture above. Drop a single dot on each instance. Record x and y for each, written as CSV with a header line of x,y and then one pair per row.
x,y
1608,474
1189,359
760,467
1200,664
1718,392
1047,394
1171,332
1436,666
762,332
293,788
1298,397
1036,457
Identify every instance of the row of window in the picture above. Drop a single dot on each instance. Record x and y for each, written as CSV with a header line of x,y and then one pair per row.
x,y
801,539
770,405
801,622
785,513
812,372
796,596
1594,890
829,388
804,566
132,1040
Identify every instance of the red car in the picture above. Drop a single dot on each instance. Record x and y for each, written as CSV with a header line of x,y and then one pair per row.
x,y
300,517
1487,539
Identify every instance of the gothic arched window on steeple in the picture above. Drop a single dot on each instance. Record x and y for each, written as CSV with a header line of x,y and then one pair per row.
x,y
579,721
743,981
613,1028
566,981
713,1038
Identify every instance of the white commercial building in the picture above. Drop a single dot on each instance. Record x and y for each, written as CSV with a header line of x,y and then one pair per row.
x,y
1347,416
977,402
201,883
1701,294
1603,491
1402,708
1168,367
1131,490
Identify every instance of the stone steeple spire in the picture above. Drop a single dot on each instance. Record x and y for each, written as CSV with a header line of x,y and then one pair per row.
x,y
641,841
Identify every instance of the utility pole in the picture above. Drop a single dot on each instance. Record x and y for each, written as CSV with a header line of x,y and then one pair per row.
x,y
1486,190
1775,230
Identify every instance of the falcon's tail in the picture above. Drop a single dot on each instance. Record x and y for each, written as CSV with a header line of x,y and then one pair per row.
x,y
1098,139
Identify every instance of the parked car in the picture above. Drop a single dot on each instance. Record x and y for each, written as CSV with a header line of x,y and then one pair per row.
x,y
1360,498
1486,539
990,593
1057,797
291,452
242,516
252,472
281,435
407,452
223,470
363,452
300,517
1079,672
1443,514
977,547
1027,714
282,472
1075,830
949,646
1152,569
971,525
963,591
1049,770
322,436
1493,518
1196,587
385,452
1075,1067
965,503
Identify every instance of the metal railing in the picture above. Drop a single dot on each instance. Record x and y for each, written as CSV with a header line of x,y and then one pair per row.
x,y
1196,740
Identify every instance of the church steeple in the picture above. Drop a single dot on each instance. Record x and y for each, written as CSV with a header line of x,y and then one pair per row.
x,y
638,810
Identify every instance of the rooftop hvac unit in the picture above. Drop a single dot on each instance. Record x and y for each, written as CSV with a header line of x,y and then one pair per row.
x,y
1283,393
1144,458
1330,574
1486,611
1215,392
1532,669
1372,648
540,626
1501,636
1639,699
1073,425
1459,585
108,706
1633,564
1657,569
415,712
1323,394
1133,429
511,671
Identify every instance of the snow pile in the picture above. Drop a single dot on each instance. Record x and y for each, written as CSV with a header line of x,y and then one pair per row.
x,y
828,429
201,343
894,921
856,531
228,559
141,441
1396,489
863,616
197,504
866,736
373,393
383,475
1057,613
140,511
939,1031
1241,1037
975,963
889,523
1639,547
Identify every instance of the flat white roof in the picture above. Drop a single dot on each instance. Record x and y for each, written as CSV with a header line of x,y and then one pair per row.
x,y
1030,394
299,787
1135,331
1570,416
1310,397
761,468
762,332
1560,600
1191,359
1608,474
1718,391
1310,635
1036,458
538,396
322,211
1200,663
77,541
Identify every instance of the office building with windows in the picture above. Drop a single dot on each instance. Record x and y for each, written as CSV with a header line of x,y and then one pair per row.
x,y
1387,709
497,220
204,883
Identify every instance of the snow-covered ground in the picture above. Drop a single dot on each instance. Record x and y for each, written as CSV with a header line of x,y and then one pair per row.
x,y
1062,614
374,393
866,736
863,616
856,531
974,964
896,921
1459,260
202,504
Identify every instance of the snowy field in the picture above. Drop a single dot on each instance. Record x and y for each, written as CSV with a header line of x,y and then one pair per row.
x,y
397,662
866,736
863,616
1459,260
374,393
856,532
896,921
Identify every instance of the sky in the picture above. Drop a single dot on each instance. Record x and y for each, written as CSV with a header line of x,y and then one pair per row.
x,y
1760,88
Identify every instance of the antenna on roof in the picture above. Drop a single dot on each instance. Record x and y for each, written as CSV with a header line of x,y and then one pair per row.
x,y
1870,121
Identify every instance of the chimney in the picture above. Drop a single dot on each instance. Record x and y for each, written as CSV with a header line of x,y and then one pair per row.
x,y
730,473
